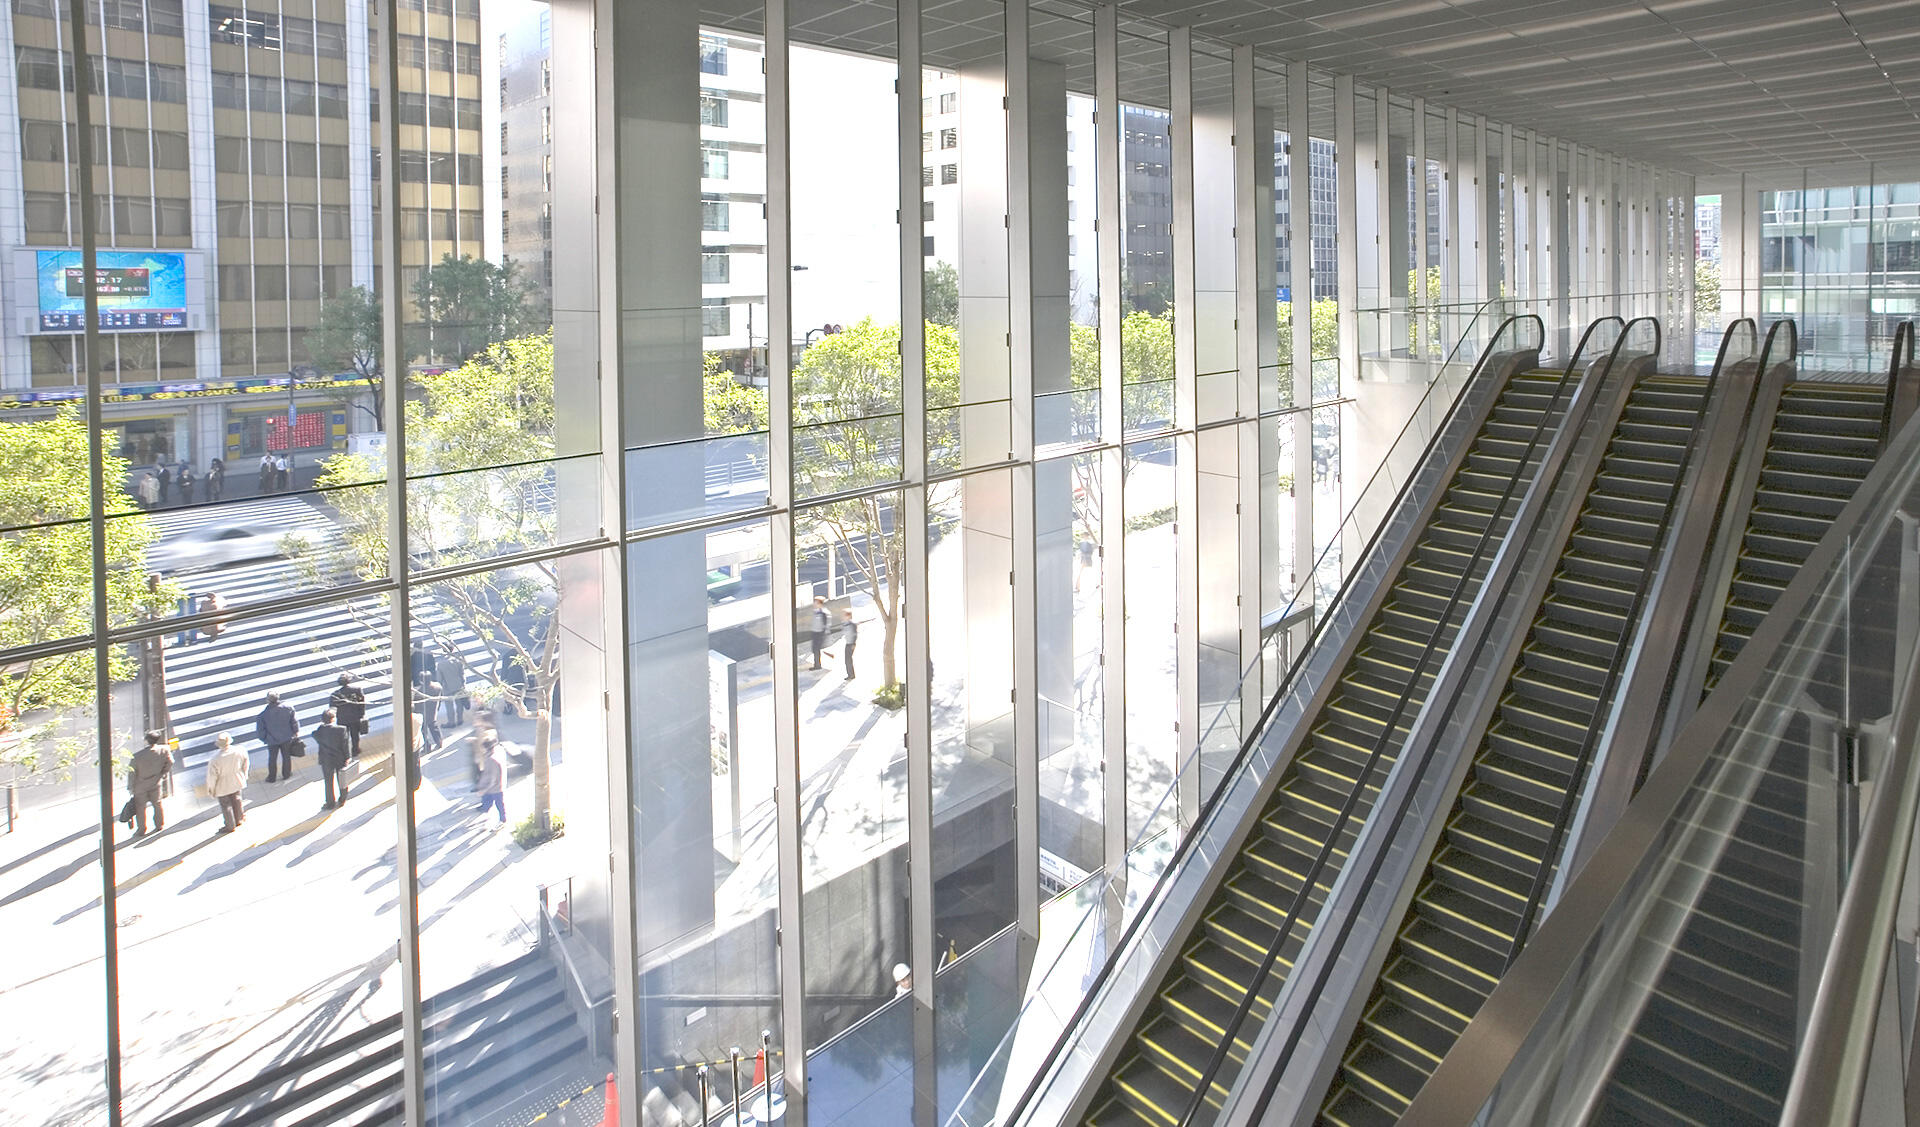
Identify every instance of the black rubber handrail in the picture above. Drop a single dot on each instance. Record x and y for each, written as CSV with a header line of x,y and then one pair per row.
x,y
1311,879
1092,989
1298,1028
1589,743
1902,364
1792,349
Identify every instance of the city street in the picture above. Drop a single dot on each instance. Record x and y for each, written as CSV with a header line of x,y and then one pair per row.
x,y
240,950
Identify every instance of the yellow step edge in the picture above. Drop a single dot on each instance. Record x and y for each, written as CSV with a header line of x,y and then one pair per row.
x,y
1143,1099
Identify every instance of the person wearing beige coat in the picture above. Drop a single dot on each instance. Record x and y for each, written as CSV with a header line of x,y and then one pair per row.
x,y
226,778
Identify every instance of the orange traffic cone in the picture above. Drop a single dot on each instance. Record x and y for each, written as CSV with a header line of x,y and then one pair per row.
x,y
612,1116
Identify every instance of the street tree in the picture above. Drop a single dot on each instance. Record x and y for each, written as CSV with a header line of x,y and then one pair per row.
x,y
940,292
846,395
1706,287
731,406
479,440
46,586
348,339
466,305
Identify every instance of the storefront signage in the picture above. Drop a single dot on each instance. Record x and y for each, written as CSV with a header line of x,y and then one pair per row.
x,y
148,393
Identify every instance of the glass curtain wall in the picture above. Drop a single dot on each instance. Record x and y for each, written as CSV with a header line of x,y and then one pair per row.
x,y
280,786
556,478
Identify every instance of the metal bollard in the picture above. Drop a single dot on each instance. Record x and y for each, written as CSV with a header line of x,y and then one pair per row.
x,y
734,1053
703,1096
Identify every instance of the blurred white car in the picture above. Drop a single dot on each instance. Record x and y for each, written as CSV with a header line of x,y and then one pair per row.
x,y
220,545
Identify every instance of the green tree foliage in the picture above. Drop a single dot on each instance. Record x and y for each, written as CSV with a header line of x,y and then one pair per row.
x,y
846,395
466,305
347,339
477,438
46,585
941,290
1706,287
731,406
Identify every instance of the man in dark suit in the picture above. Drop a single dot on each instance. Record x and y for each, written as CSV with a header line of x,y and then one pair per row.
x,y
349,703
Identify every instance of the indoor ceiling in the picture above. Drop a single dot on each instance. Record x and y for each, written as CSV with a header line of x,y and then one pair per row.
x,y
1707,86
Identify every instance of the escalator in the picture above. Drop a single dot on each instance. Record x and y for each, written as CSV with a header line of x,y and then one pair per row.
x,y
1498,842
1823,442
1323,795
1708,998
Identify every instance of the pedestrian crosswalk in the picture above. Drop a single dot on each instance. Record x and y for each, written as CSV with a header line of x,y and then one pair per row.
x,y
220,684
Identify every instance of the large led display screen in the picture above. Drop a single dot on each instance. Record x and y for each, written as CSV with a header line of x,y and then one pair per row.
x,y
138,290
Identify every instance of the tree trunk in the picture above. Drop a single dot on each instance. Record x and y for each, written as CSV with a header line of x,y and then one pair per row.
x,y
889,674
542,773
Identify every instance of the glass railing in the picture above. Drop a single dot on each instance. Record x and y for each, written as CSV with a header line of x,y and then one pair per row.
x,y
1107,950
1704,952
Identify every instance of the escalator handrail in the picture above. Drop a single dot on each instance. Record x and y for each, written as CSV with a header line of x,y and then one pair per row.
x,y
1714,591
1092,989
1483,1061
1902,362
1601,798
1311,879
1263,1097
1589,743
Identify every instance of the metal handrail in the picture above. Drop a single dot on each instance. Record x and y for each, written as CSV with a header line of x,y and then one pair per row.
x,y
1903,347
1092,989
1468,1077
1831,1072
1310,881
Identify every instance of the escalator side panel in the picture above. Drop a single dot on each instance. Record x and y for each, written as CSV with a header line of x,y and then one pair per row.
x,y
1458,929
1154,1077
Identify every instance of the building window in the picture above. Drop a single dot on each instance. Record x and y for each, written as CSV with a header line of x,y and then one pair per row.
x,y
949,103
926,142
713,111
713,163
926,211
949,174
713,214
39,68
713,55
716,317
715,266
926,176
926,246
949,138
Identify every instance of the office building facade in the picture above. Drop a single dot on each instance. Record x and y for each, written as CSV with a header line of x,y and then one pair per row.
x,y
236,184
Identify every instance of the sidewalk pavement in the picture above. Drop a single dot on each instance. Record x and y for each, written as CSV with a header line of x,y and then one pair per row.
x,y
237,951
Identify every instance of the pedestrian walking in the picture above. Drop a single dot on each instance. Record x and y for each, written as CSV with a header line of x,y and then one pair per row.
x,y
330,748
226,779
215,482
851,629
453,683
212,604
821,624
266,473
426,702
184,607
166,483
145,776
493,781
281,480
279,729
349,703
149,490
